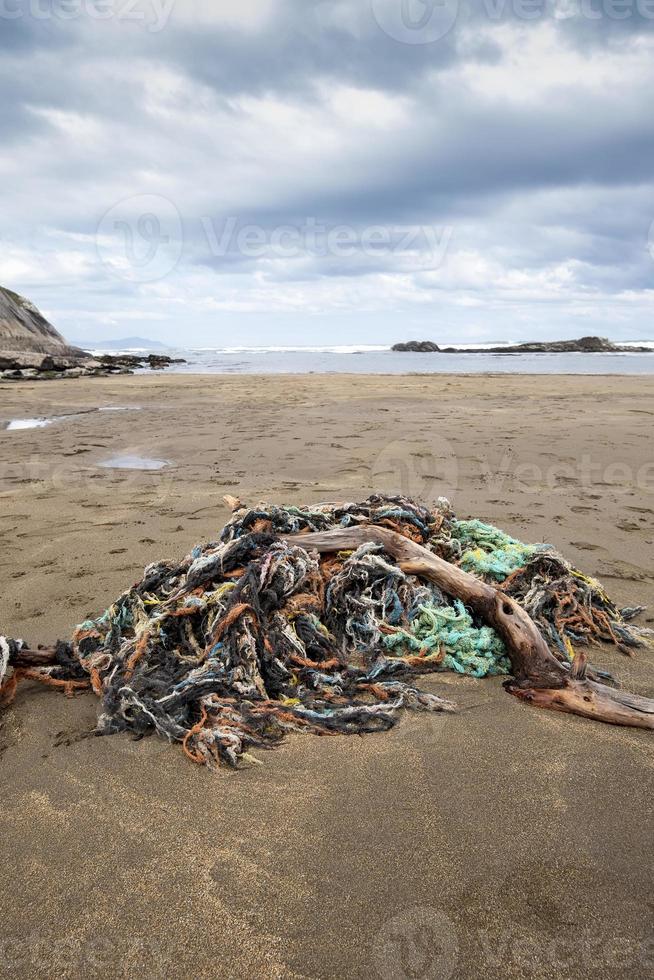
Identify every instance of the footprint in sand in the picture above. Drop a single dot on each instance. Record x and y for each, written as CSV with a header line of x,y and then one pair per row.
x,y
71,736
624,571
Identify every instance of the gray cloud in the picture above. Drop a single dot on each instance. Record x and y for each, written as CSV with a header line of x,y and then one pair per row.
x,y
519,153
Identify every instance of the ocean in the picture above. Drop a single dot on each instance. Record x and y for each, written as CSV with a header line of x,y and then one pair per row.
x,y
382,360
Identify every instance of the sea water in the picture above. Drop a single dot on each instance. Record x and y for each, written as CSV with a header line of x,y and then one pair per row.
x,y
382,360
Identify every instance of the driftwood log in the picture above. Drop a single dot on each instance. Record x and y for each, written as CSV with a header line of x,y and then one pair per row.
x,y
538,677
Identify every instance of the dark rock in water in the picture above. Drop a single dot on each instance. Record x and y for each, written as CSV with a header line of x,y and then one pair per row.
x,y
419,346
155,361
39,367
584,345
588,345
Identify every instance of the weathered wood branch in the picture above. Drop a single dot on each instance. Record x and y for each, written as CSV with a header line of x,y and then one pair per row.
x,y
538,677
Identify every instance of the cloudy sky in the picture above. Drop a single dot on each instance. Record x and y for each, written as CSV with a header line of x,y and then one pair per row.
x,y
343,171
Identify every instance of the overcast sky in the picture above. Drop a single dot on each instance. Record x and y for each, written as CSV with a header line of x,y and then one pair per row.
x,y
345,171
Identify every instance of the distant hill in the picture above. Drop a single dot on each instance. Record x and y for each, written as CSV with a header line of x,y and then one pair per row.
x,y
24,328
126,343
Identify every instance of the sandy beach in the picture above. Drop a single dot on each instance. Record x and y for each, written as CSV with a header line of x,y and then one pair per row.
x,y
500,841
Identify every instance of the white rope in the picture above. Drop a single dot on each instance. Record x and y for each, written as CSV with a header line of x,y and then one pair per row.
x,y
4,658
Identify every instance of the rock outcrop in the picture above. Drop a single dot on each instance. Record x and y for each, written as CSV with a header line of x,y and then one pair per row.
x,y
31,348
156,362
584,345
418,346
24,329
44,367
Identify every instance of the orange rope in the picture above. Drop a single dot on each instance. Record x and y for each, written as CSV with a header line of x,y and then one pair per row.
x,y
303,602
185,611
8,689
235,613
197,728
96,682
299,661
141,647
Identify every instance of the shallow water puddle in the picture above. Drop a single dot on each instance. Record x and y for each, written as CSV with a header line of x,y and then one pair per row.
x,y
130,462
40,423
120,408
27,424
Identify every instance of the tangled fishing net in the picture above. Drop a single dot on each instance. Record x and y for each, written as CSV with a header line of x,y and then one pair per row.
x,y
250,637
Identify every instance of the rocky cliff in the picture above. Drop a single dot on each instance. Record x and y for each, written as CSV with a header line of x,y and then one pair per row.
x,y
24,329
31,348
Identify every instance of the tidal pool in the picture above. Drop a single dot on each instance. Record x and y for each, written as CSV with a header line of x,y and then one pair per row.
x,y
27,424
132,462
40,423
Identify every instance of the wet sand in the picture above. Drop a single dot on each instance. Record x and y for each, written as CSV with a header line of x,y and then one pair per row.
x,y
501,841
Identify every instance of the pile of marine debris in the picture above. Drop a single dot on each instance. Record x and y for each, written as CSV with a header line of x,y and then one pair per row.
x,y
584,345
320,619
